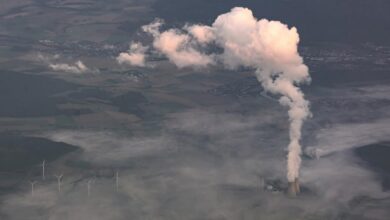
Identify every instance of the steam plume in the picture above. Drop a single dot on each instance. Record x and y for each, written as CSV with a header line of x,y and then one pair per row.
x,y
77,67
134,57
270,48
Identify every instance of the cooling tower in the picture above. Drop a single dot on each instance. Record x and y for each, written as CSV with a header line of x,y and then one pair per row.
x,y
293,188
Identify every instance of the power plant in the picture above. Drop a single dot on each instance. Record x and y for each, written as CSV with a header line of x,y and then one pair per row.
x,y
292,189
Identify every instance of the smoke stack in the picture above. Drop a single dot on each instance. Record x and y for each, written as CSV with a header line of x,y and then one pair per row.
x,y
293,188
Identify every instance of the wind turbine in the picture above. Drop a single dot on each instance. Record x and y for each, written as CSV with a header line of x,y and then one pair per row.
x,y
117,180
43,169
32,183
262,184
59,178
89,186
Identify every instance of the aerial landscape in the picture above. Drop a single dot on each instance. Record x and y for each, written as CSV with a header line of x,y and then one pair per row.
x,y
206,110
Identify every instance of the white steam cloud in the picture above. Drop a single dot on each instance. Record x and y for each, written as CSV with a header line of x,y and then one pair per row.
x,y
268,47
180,48
77,67
134,57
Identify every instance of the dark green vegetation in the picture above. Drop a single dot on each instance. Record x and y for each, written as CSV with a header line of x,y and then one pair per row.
x,y
25,95
377,157
18,153
129,102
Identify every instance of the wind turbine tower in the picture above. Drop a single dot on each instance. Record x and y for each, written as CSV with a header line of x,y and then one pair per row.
x,y
117,180
89,187
43,169
32,183
59,178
